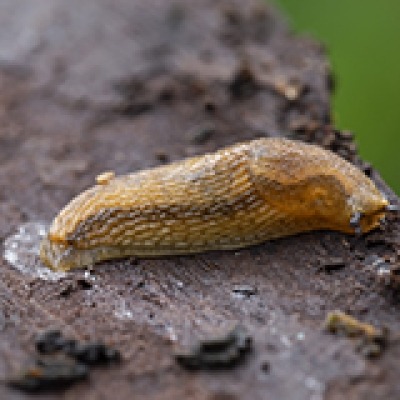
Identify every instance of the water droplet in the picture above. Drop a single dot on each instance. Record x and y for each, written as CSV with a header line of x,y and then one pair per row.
x,y
88,275
172,334
122,311
312,383
285,341
300,336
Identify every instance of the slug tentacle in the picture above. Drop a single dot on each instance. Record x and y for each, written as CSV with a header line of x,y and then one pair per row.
x,y
239,196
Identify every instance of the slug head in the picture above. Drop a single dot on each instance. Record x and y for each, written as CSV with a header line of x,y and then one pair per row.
x,y
368,208
316,188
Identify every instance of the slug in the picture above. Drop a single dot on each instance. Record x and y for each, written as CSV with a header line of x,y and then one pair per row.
x,y
239,196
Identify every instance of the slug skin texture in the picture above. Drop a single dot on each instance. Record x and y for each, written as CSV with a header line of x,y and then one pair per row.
x,y
239,196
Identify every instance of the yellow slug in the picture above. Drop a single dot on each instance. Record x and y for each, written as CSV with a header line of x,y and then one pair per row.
x,y
239,196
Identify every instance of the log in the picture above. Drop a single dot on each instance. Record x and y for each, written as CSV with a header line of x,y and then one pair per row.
x,y
88,86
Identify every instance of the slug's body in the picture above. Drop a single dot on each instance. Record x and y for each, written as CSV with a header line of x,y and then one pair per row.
x,y
238,196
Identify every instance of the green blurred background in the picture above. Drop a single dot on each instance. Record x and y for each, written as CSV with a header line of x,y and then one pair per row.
x,y
363,42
